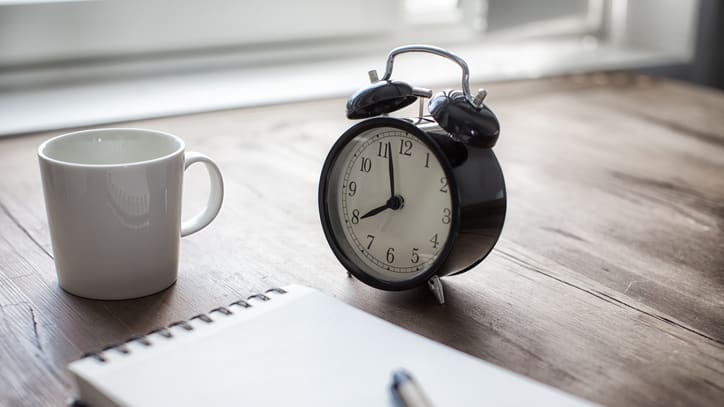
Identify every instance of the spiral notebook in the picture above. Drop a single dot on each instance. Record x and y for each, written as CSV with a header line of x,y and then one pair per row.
x,y
292,346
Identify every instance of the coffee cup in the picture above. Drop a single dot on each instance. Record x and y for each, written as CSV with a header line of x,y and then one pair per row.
x,y
113,200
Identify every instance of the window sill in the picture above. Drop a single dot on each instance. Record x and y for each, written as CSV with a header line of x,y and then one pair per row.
x,y
103,102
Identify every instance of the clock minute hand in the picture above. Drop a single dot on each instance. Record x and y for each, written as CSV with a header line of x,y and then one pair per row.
x,y
391,168
394,202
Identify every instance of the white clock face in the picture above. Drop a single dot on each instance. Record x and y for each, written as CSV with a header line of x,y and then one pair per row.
x,y
392,203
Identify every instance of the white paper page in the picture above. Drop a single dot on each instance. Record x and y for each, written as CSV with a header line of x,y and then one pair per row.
x,y
305,348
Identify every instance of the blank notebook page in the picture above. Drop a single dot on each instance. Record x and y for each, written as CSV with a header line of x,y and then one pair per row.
x,y
297,348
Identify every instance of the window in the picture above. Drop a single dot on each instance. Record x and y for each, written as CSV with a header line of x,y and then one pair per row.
x,y
190,56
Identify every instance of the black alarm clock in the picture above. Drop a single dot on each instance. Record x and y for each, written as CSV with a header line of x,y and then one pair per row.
x,y
403,201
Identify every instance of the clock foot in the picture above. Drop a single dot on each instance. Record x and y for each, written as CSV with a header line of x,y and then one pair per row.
x,y
435,285
349,274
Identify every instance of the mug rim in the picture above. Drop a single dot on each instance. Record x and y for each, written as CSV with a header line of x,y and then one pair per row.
x,y
44,156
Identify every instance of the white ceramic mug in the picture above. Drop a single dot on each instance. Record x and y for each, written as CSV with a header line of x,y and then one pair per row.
x,y
113,199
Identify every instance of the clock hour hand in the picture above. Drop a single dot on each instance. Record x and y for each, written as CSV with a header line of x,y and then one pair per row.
x,y
391,168
375,211
394,203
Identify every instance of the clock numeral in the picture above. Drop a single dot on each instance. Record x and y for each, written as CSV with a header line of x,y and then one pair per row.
x,y
383,150
434,242
372,239
446,216
415,257
390,255
427,160
352,188
355,216
444,187
406,147
366,165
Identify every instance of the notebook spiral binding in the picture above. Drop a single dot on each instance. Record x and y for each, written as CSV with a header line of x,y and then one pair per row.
x,y
166,333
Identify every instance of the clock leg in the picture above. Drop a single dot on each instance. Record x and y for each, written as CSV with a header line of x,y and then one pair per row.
x,y
435,285
349,274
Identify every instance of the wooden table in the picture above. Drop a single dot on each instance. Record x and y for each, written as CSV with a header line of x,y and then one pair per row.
x,y
608,281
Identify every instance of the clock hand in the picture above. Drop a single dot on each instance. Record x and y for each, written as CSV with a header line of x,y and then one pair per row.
x,y
394,203
392,173
375,211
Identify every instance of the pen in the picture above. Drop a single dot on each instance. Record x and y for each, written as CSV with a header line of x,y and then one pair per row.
x,y
406,392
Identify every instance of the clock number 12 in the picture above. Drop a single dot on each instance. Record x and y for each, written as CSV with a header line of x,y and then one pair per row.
x,y
406,147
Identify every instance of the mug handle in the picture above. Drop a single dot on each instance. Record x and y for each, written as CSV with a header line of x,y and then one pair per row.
x,y
216,194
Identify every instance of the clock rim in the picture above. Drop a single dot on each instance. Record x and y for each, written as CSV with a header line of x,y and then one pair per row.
x,y
343,258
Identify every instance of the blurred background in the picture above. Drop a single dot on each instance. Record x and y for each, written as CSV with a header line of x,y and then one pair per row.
x,y
70,63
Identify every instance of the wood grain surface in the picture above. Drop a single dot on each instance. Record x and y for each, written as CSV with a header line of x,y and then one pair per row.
x,y
608,280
